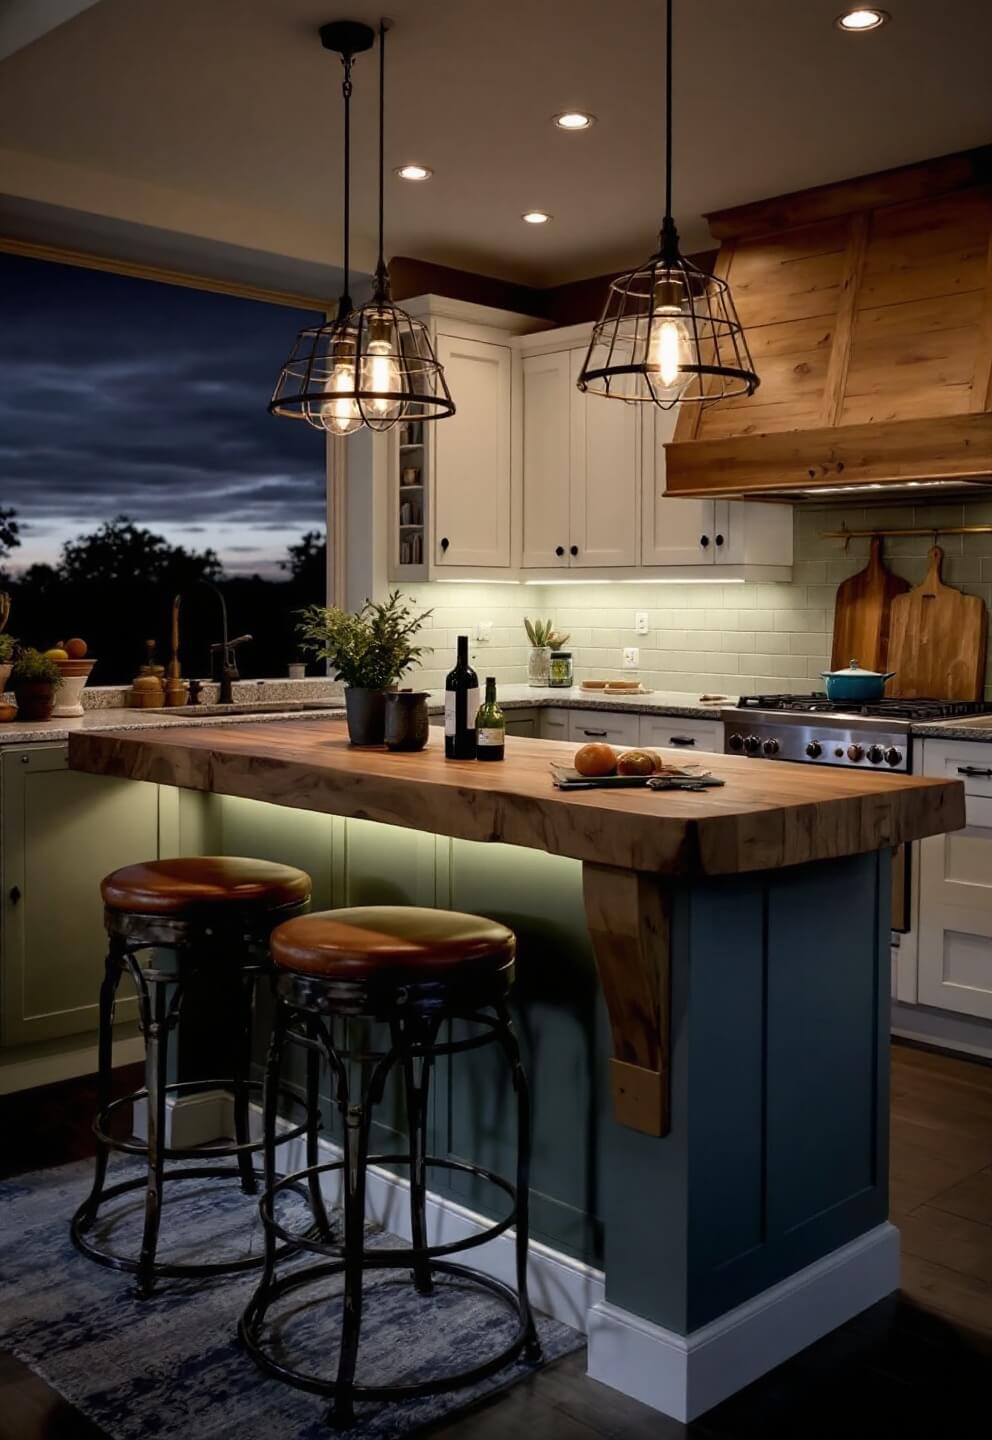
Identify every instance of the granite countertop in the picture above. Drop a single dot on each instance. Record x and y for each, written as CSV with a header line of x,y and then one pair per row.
x,y
978,727
660,702
36,732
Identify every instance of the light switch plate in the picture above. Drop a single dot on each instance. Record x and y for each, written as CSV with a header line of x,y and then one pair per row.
x,y
640,622
484,631
631,657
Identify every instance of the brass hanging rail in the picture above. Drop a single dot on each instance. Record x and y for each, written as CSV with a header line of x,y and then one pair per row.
x,y
933,530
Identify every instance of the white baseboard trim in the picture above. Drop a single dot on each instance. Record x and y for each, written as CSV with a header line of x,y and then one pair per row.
x,y
191,1120
685,1375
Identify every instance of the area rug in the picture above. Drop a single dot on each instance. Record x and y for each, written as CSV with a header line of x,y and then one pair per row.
x,y
171,1366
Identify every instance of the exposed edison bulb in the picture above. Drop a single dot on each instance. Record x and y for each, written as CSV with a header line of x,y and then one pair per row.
x,y
339,413
668,348
381,379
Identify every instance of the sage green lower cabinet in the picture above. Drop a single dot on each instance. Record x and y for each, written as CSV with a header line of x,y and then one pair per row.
x,y
60,833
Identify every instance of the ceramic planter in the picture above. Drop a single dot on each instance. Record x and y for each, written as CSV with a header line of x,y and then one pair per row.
x,y
366,710
539,666
69,698
407,723
35,699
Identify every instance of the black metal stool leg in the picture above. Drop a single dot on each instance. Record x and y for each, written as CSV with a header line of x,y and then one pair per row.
x,y
159,1017
321,1219
270,1114
105,1072
511,1049
356,1145
417,1112
242,1129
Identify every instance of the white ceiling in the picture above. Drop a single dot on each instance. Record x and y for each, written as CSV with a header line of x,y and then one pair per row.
x,y
222,118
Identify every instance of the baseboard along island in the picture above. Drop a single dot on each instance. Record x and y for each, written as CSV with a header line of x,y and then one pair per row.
x,y
726,1164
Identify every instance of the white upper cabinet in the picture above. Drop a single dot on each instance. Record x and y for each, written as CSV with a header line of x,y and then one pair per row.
x,y
605,455
546,381
472,487
703,532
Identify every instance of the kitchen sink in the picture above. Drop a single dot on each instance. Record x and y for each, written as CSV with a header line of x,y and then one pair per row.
x,y
248,707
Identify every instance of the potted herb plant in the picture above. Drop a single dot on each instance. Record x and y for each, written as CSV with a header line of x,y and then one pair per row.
x,y
34,680
543,639
7,647
369,651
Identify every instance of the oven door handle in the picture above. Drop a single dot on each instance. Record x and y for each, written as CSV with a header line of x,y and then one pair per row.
x,y
985,773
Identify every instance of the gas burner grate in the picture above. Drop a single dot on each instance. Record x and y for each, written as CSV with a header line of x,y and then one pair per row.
x,y
894,709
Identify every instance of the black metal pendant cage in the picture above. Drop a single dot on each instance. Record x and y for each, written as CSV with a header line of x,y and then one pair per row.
x,y
374,366
669,335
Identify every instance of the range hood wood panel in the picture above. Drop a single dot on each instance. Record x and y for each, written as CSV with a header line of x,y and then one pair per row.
x,y
870,319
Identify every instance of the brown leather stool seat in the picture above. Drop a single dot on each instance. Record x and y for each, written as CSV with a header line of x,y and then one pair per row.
x,y
398,943
176,887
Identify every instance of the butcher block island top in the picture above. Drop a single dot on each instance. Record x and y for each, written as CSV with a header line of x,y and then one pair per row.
x,y
767,814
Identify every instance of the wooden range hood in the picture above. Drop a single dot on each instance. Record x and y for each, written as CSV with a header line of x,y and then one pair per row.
x,y
868,309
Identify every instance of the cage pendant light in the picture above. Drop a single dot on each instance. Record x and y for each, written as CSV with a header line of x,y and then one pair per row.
x,y
669,333
399,375
317,383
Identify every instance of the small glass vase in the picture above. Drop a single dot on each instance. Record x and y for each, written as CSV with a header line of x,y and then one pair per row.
x,y
539,666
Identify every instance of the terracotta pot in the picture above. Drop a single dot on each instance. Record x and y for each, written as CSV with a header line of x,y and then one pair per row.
x,y
35,699
366,711
5,670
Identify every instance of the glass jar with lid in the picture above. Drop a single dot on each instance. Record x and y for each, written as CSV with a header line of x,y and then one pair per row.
x,y
560,677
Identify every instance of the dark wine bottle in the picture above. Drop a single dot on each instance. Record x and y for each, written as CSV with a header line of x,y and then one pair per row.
x,y
461,705
490,726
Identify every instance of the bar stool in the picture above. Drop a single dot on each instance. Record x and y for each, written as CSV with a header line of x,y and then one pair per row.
x,y
413,970
208,914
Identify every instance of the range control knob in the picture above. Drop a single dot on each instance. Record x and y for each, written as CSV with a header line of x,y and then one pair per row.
x,y
855,752
770,747
814,749
876,754
735,742
893,756
752,744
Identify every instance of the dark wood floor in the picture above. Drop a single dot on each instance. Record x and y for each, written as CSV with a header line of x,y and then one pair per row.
x,y
917,1365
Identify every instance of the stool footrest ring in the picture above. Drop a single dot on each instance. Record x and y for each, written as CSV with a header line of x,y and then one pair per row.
x,y
228,1150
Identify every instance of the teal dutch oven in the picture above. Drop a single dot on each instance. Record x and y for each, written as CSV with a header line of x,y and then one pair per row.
x,y
855,683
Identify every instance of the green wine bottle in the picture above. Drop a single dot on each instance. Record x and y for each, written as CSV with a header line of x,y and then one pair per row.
x,y
490,726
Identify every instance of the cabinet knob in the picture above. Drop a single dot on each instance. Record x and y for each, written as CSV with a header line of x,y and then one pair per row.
x,y
719,539
573,549
15,894
559,550
445,542
704,540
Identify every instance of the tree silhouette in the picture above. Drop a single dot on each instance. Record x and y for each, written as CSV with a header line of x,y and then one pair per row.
x,y
307,562
10,531
122,553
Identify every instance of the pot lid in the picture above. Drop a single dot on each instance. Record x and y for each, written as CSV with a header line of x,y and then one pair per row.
x,y
854,669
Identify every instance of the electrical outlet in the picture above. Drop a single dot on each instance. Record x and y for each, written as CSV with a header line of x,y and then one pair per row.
x,y
631,657
640,622
484,631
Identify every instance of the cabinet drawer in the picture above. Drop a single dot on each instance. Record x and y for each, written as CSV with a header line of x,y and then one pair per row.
x,y
608,725
956,960
670,732
964,760
553,724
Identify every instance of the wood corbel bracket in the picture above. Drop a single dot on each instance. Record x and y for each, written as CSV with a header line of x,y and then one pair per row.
x,y
628,917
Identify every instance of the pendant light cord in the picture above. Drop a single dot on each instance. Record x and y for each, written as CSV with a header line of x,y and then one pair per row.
x,y
668,112
345,304
381,273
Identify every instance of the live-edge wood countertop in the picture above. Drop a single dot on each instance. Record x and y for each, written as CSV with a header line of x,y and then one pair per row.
x,y
768,814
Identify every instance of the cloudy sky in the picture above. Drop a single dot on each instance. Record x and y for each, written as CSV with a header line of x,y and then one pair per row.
x,y
123,396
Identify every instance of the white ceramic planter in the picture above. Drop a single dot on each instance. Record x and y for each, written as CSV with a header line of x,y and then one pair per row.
x,y
69,695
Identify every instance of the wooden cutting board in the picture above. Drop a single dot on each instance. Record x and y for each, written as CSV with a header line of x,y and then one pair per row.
x,y
862,614
937,640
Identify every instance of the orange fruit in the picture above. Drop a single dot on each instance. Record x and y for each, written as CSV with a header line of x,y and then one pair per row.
x,y
595,760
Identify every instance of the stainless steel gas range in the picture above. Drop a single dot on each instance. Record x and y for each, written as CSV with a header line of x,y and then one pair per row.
x,y
812,730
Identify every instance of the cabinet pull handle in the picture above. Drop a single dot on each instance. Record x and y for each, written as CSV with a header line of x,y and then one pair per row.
x,y
974,770
719,539
559,550
599,733
704,540
681,739
573,549
15,894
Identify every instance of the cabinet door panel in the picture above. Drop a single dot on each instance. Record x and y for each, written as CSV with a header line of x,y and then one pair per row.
x,y
553,724
62,832
546,427
673,733
604,491
472,457
611,726
674,532
753,534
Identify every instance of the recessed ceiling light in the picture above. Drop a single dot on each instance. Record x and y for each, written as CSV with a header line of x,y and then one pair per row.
x,y
865,17
536,217
413,172
574,120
